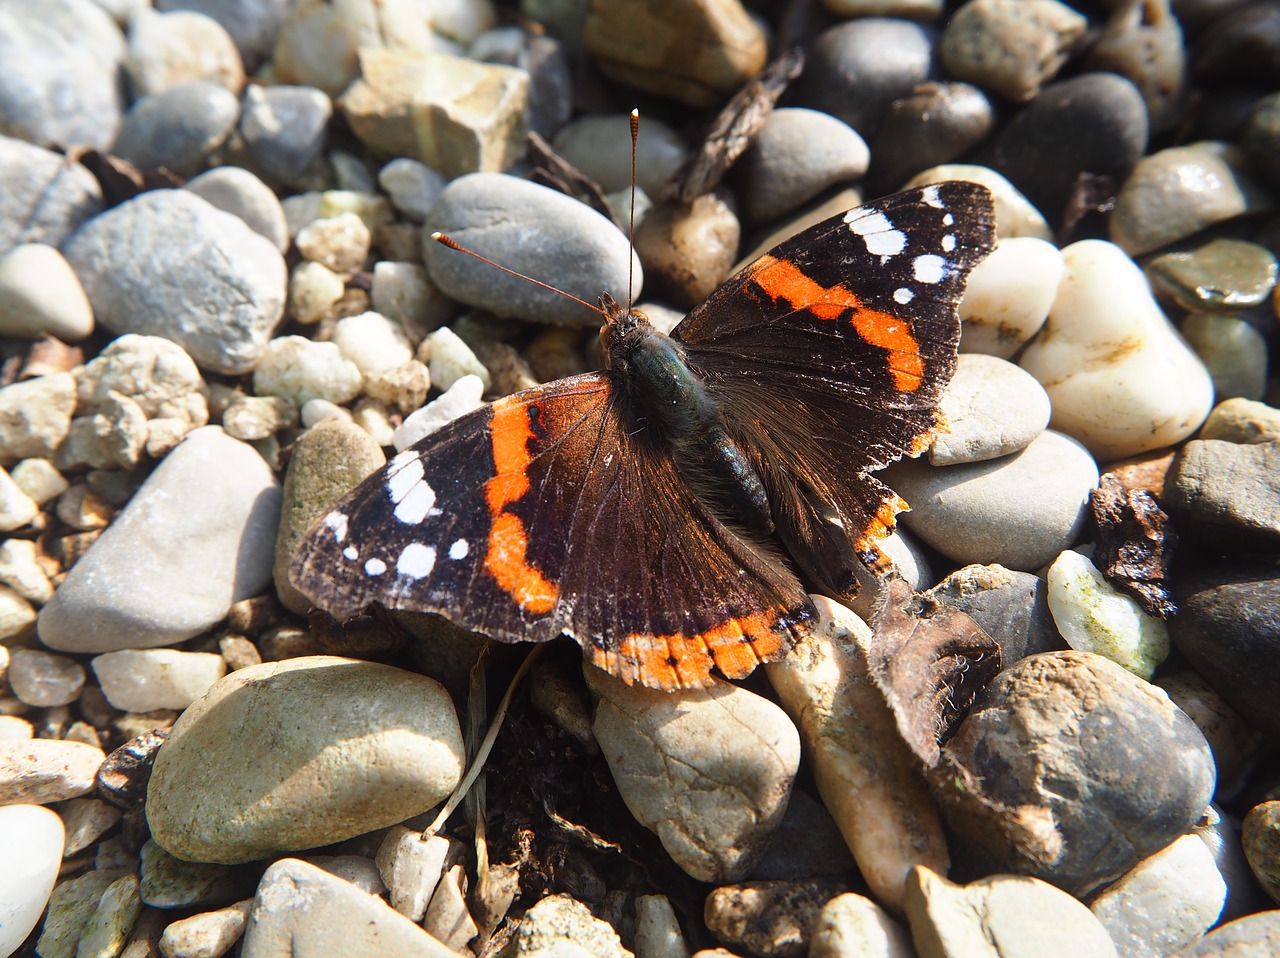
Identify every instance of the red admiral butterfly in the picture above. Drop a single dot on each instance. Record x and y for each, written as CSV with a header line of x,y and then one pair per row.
x,y
665,511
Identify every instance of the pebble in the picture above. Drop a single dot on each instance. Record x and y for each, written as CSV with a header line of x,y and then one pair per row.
x,y
537,231
697,52
39,479
1165,902
1261,840
194,539
167,50
688,250
1057,732
1220,275
1227,631
1009,295
372,341
1233,741
560,927
462,397
1011,47
1019,511
1121,379
867,778
142,680
42,679
1233,351
795,155
31,843
658,933
369,730
449,358
212,285
169,882
1178,191
302,369
447,919
41,295
1241,421
86,820
1228,492
404,292
1259,136
209,934
993,408
709,771
450,113
411,868
45,197
40,771
600,146
71,909
773,919
1011,607
314,292
16,614
35,416
1241,46
17,509
851,926
14,728
936,123
284,129
1015,215
412,186
1000,916
256,417
156,374
301,908
108,928
856,70
1255,935
178,129
61,83
239,192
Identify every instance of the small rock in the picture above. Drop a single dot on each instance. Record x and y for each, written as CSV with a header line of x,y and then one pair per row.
x,y
257,417
600,146
209,934
40,771
107,930
463,397
1220,275
1261,839
86,820
1009,295
178,129
31,842
658,932
1255,935
372,342
1144,43
20,569
43,679
46,196
16,614
71,908
35,415
1011,47
448,359
404,292
369,730
314,292
39,479
341,242
851,926
301,369
1234,420
772,919
283,129
1228,491
992,407
167,50
688,250
240,193
40,295
558,925
1232,350
17,509
411,868
447,919
709,771
1010,606
155,373
169,882
144,680
935,123
412,186
1233,741
404,386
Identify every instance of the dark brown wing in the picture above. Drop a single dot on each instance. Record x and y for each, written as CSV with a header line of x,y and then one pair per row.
x,y
548,513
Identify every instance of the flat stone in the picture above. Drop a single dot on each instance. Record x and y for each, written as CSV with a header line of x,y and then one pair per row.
x,y
40,771
355,746
143,680
31,842
1229,491
169,882
45,197
992,407
107,930
1223,275
194,539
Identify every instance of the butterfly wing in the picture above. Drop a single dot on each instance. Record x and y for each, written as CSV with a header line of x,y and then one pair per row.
x,y
550,512
828,356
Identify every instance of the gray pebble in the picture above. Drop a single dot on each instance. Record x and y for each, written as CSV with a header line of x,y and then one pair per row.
x,y
177,129
413,187
1228,492
169,882
60,81
45,196
283,129
600,146
1254,935
543,58
796,155
993,408
1010,606
169,50
194,539
240,193
533,229
1221,275
1233,351
1019,511
168,264
252,24
936,123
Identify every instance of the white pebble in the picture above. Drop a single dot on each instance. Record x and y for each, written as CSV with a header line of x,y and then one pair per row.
x,y
17,508
412,186
21,571
314,289
340,242
372,342
43,679
39,479
16,614
462,397
1093,617
300,369
15,727
142,680
208,934
257,417
1008,296
374,418
40,293
449,359
318,410
31,841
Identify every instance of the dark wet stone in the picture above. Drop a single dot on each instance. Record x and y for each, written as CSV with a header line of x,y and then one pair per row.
x,y
1010,606
1222,275
1242,47
936,123
1261,137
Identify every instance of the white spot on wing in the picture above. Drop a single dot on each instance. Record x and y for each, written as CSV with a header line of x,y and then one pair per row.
x,y
413,508
948,220
948,243
903,295
931,197
929,268
876,231
412,496
375,567
459,549
351,552
337,524
416,561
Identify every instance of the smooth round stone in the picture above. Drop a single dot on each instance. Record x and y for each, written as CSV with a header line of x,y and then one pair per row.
x,y
1120,378
412,186
855,70
688,250
40,771
1094,617
353,746
168,264
207,933
1011,607
1000,915
600,146
852,925
993,408
59,84
1093,123
177,129
252,24
143,680
1261,840
1011,47
1009,295
1178,191
796,155
935,124
167,50
31,842
1228,493
1019,511
709,771
1242,47
302,369
1257,934
404,292
45,195
372,342
1223,275
195,538
1233,351
41,295
1146,46
284,129
1240,421
43,679
658,931
537,231
240,193
1015,216
1059,732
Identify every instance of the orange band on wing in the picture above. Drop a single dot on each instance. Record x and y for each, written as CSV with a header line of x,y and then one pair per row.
x,y
507,559
784,281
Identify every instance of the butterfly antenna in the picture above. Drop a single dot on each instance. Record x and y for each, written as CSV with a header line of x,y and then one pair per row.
x,y
631,229
450,242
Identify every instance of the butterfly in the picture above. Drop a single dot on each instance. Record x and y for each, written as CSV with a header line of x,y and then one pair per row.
x,y
673,511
